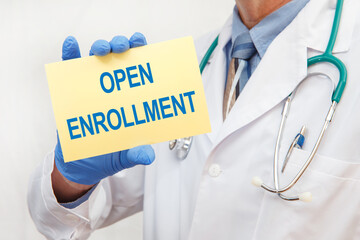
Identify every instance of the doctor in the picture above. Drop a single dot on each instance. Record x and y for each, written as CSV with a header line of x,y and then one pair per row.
x,y
209,194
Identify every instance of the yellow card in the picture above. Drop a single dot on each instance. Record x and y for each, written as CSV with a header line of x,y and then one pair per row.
x,y
143,96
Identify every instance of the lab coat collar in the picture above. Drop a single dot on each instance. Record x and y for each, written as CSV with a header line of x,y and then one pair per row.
x,y
284,65
318,17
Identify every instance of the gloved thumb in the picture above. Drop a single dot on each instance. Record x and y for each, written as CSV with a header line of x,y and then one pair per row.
x,y
143,155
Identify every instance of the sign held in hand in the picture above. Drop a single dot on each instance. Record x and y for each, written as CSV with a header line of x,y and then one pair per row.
x,y
143,96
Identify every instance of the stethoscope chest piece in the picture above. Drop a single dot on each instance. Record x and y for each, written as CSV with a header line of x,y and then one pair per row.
x,y
181,147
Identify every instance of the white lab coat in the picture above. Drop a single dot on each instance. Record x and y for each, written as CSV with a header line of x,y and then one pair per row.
x,y
209,195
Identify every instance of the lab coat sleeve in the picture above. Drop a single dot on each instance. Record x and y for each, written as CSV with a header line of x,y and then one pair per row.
x,y
114,198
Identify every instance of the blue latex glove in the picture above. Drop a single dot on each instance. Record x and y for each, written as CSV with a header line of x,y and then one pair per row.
x,y
91,170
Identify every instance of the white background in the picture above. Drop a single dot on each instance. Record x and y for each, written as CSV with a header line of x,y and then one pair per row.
x,y
31,34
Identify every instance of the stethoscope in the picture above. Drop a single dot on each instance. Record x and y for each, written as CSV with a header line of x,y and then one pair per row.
x,y
182,146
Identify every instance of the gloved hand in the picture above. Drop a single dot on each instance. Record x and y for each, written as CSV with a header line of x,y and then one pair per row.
x,y
91,170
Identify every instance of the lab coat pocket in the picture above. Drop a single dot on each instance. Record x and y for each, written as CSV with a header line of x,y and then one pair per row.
x,y
333,214
326,165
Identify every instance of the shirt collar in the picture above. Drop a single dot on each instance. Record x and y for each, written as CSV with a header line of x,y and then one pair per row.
x,y
269,28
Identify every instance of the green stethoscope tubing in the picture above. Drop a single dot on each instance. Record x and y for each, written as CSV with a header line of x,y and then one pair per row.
x,y
327,57
208,53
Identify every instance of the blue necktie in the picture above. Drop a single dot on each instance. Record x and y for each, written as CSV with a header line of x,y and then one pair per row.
x,y
239,71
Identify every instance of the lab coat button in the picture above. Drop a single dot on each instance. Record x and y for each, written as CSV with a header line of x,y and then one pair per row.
x,y
214,170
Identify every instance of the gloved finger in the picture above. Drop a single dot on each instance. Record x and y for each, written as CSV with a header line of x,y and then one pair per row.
x,y
119,44
143,155
70,48
100,48
137,40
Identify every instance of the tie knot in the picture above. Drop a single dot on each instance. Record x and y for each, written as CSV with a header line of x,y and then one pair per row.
x,y
243,47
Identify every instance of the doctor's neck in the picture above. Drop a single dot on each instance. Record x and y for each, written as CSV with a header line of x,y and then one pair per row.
x,y
253,11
